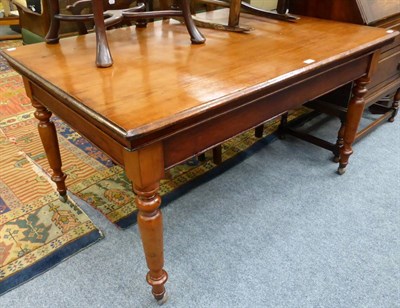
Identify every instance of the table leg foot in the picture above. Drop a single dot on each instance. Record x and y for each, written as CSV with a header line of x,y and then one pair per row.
x,y
341,170
151,230
336,158
63,198
163,300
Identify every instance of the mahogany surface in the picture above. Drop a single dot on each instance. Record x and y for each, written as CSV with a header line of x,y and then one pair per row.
x,y
165,100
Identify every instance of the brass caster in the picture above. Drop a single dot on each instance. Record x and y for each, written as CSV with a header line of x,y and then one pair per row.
x,y
341,170
163,300
63,198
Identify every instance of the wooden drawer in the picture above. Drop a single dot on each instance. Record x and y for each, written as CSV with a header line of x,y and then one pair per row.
x,y
391,24
389,66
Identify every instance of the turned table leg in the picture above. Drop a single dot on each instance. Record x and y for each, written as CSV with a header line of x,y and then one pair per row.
x,y
145,168
395,105
339,141
48,135
354,113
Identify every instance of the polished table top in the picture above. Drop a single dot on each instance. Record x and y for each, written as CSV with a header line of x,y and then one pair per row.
x,y
159,78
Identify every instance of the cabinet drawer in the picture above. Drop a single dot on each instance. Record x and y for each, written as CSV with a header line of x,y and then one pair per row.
x,y
391,25
388,67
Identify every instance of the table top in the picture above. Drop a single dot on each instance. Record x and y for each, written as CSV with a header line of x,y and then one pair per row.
x,y
159,78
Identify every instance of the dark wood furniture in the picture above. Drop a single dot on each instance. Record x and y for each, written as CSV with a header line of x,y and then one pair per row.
x,y
385,83
163,101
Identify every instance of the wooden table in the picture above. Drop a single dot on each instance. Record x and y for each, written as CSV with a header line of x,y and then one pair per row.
x,y
165,100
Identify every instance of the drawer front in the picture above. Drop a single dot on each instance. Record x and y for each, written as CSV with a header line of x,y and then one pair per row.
x,y
392,25
388,67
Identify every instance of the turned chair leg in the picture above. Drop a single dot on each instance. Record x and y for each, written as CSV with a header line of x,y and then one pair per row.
x,y
195,35
52,36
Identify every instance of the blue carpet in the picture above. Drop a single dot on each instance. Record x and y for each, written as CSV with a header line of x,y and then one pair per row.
x,y
278,229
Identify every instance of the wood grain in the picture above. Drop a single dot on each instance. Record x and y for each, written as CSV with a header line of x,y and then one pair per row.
x,y
165,79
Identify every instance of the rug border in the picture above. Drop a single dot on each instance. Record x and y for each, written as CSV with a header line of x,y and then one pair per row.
x,y
49,262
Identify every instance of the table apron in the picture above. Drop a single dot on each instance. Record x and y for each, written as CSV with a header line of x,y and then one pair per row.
x,y
219,128
94,134
199,136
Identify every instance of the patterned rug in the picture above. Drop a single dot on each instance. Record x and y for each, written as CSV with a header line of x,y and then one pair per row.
x,y
37,231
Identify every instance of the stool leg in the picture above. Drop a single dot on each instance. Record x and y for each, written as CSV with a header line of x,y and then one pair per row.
x,y
195,35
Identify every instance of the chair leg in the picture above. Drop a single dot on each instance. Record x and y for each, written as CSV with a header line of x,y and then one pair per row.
x,y
103,55
52,36
195,35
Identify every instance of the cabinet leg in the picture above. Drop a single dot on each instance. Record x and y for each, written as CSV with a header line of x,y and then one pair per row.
x,y
354,113
48,135
395,105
